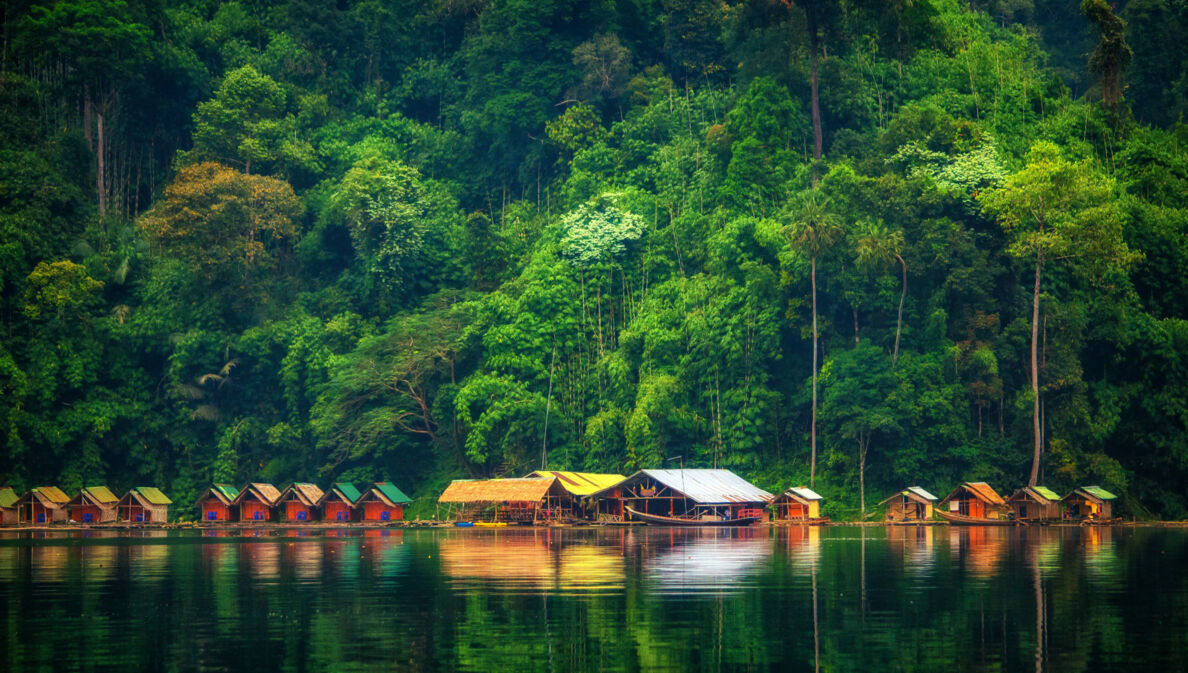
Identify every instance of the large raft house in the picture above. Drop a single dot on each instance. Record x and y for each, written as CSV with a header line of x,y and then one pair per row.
x,y
526,500
1091,503
93,504
911,505
797,504
976,499
691,493
1034,503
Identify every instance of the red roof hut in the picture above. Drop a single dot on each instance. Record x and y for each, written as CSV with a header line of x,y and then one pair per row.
x,y
144,504
338,504
215,503
383,502
44,504
255,502
974,499
299,502
93,504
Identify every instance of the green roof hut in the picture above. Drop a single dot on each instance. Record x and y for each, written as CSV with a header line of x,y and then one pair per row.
x,y
144,504
1089,502
8,510
93,504
1034,503
339,503
383,502
43,504
215,503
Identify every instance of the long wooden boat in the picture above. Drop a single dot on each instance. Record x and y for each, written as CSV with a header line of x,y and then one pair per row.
x,y
964,520
677,521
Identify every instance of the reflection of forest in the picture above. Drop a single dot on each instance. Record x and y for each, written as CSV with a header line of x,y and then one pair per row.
x,y
903,598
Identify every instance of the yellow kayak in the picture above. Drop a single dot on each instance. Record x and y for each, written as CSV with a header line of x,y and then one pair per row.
x,y
489,524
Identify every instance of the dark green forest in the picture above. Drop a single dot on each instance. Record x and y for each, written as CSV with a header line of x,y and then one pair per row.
x,y
862,244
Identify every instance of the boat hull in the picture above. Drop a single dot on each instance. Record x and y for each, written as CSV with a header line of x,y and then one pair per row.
x,y
963,520
659,520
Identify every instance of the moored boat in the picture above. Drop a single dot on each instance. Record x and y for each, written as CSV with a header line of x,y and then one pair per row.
x,y
677,521
963,520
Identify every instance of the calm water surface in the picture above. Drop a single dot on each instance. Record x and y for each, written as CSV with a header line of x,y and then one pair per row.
x,y
795,599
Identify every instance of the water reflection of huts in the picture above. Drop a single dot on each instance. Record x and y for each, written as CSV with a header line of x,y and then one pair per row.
x,y
532,559
980,548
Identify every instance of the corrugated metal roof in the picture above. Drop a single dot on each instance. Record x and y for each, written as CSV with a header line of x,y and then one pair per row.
x,y
52,494
804,492
706,487
345,490
153,495
309,494
101,495
266,493
8,497
922,493
393,494
1098,492
1045,493
496,490
580,483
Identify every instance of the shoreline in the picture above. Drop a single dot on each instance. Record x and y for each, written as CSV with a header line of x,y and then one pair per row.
x,y
401,525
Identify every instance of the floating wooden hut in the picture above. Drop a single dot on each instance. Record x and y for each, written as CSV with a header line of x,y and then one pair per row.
x,y
256,501
299,502
1089,502
44,504
93,504
799,503
974,500
383,502
144,504
688,494
507,500
909,505
215,503
338,504
1034,503
580,486
8,506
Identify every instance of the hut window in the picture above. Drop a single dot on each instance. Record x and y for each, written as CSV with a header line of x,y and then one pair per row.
x,y
338,516
87,517
301,516
212,515
384,516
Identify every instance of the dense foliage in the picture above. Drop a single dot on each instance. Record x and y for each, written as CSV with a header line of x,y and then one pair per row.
x,y
290,239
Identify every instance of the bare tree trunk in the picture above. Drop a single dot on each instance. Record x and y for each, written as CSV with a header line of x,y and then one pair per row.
x,y
863,444
899,318
87,118
101,178
1035,299
813,435
814,47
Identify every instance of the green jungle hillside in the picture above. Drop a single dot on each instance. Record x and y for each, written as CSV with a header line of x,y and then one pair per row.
x,y
418,240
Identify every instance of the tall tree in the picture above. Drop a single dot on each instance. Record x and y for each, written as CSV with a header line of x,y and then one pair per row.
x,y
876,247
1057,211
812,228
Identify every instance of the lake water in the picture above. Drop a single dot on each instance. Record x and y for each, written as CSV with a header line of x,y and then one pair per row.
x,y
614,599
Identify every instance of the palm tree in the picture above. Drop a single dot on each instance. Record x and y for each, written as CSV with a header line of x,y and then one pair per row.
x,y
813,229
876,247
